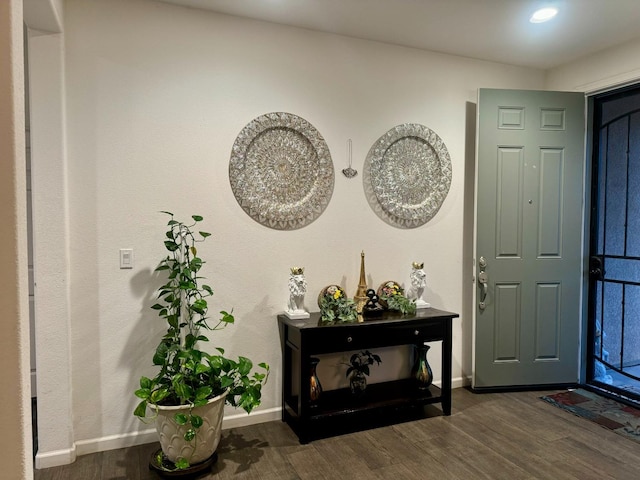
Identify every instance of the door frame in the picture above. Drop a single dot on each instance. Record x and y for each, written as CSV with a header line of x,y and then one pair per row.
x,y
586,334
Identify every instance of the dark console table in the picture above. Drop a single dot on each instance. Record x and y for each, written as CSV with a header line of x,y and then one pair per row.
x,y
338,410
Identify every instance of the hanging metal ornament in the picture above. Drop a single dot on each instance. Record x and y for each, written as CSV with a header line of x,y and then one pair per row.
x,y
349,172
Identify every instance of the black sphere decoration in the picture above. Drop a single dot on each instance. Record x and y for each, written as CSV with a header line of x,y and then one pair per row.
x,y
371,307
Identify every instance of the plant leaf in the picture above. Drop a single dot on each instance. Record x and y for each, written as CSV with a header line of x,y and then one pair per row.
x,y
145,382
159,395
180,418
226,317
171,246
203,392
182,464
199,306
161,354
197,218
141,409
244,365
196,421
205,234
226,382
143,393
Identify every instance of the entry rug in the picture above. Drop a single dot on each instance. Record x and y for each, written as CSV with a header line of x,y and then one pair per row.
x,y
616,416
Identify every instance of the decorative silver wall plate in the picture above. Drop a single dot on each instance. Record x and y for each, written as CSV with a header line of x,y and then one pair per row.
x,y
407,175
281,171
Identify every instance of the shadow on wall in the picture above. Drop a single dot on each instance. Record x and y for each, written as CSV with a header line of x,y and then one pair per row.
x,y
138,352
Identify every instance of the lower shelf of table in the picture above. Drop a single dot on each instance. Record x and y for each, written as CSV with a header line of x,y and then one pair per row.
x,y
339,411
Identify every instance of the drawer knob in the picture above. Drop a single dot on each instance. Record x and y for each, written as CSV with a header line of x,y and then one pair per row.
x,y
416,332
349,339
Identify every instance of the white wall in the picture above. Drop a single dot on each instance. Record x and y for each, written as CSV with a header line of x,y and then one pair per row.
x,y
156,95
612,67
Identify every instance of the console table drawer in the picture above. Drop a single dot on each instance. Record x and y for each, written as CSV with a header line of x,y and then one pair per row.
x,y
369,335
335,340
416,333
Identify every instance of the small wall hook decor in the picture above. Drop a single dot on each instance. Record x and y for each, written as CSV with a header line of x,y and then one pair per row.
x,y
349,172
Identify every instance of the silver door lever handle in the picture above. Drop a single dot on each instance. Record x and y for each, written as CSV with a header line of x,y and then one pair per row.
x,y
483,280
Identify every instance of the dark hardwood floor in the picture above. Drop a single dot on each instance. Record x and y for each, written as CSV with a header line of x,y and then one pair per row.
x,y
508,436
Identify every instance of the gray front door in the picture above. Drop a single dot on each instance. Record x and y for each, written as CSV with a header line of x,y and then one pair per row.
x,y
530,171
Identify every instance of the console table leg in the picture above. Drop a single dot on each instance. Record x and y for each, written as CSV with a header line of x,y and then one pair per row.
x,y
446,370
446,406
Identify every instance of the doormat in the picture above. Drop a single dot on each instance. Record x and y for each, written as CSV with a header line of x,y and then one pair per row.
x,y
608,413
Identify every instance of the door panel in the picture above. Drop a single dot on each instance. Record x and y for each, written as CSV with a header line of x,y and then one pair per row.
x,y
509,196
507,335
550,195
529,231
547,321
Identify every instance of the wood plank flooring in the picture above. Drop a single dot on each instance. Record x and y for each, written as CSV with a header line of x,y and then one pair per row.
x,y
510,436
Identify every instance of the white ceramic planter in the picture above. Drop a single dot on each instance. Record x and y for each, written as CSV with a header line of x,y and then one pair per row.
x,y
207,439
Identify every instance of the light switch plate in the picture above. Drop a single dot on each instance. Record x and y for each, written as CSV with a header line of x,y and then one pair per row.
x,y
126,258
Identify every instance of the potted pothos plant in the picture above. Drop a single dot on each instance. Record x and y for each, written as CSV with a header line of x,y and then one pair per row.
x,y
186,398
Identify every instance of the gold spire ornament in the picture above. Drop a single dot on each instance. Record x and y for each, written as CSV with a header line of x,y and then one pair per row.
x,y
361,293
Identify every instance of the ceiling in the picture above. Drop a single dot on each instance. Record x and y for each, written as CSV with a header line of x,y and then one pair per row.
x,y
495,30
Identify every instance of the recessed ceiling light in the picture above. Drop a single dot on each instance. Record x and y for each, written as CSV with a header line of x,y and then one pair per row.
x,y
543,15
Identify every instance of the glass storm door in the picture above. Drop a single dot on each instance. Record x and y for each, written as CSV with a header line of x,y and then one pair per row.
x,y
614,263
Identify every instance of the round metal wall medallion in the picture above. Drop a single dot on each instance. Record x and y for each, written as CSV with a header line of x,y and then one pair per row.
x,y
407,175
281,171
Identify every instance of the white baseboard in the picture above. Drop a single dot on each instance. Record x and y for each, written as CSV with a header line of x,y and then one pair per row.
x,y
460,382
455,382
113,442
55,458
242,419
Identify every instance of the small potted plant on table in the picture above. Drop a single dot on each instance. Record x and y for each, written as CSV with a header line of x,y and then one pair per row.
x,y
392,296
359,368
335,306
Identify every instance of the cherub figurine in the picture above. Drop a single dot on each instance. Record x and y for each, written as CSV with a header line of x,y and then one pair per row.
x,y
418,282
297,289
